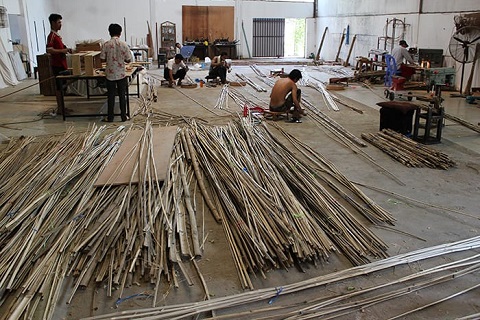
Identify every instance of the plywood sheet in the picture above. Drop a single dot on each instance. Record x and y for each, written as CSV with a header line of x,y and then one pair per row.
x,y
163,140
194,23
221,23
212,22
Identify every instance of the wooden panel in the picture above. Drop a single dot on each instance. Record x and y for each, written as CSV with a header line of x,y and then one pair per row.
x,y
194,23
221,23
77,63
202,22
163,140
92,60
45,75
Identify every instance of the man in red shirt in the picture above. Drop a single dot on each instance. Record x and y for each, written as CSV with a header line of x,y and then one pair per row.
x,y
55,46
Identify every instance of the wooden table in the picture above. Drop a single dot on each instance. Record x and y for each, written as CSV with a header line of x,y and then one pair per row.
x,y
99,75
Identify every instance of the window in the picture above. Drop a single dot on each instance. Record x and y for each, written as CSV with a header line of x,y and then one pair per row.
x,y
3,17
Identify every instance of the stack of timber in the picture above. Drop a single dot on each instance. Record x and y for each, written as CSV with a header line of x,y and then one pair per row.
x,y
407,151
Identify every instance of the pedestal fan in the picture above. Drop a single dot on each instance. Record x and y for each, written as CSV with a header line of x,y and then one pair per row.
x,y
462,46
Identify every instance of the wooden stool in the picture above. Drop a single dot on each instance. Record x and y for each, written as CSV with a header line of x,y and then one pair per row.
x,y
433,119
275,115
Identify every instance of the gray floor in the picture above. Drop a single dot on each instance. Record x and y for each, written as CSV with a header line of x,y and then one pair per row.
x,y
26,113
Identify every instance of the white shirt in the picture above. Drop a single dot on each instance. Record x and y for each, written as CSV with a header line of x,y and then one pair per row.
x,y
400,53
116,53
175,67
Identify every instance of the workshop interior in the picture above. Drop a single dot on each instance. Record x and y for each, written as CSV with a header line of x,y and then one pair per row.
x,y
233,159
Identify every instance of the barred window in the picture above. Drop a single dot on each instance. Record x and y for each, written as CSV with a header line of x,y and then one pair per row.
x,y
3,17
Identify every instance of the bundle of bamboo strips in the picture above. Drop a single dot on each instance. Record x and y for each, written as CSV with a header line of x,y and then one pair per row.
x,y
258,71
327,96
334,305
250,82
407,151
222,101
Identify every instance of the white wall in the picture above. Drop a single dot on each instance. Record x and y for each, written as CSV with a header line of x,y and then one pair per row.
x,y
429,27
12,8
91,19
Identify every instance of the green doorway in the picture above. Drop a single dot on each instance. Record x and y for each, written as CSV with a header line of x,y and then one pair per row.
x,y
295,37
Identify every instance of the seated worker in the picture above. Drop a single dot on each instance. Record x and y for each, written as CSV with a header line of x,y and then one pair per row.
x,y
178,48
219,68
401,54
286,95
175,69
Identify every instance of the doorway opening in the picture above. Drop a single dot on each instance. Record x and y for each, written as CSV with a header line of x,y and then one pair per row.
x,y
295,37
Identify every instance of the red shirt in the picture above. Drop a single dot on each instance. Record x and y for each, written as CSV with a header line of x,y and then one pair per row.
x,y
55,41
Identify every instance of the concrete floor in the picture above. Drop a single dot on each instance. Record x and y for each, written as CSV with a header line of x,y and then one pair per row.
x,y
457,188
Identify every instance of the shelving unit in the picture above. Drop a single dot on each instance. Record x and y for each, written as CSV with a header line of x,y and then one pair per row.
x,y
168,34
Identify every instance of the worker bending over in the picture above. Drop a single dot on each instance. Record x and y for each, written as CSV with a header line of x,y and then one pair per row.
x,y
175,69
286,95
219,68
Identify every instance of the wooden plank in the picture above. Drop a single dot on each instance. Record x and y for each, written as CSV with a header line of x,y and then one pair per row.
x,y
221,23
321,44
340,45
345,63
163,140
91,62
77,63
208,22
194,23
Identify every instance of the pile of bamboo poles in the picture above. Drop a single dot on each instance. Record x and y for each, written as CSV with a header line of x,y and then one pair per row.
x,y
274,210
290,304
45,184
407,151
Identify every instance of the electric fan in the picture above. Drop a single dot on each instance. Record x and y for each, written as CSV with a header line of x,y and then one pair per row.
x,y
462,46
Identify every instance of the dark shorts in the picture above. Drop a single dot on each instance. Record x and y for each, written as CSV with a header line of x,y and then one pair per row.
x,y
288,104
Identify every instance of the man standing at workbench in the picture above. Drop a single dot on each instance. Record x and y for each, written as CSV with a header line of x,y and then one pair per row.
x,y
286,95
55,47
116,53
58,54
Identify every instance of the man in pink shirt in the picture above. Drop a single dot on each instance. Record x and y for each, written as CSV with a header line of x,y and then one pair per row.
x,y
116,53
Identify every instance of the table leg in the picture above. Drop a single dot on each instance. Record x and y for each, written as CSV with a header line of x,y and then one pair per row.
x,y
128,99
88,89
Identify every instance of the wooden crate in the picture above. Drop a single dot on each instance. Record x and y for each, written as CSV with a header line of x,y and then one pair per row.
x,y
46,79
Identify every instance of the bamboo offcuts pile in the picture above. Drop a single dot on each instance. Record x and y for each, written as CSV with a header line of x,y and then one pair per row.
x,y
275,211
407,151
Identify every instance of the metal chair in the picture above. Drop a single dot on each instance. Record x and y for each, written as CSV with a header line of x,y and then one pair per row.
x,y
391,69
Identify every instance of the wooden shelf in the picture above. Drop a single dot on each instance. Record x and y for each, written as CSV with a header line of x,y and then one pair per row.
x,y
168,38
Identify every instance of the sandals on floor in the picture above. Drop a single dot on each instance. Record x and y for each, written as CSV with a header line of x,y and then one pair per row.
x,y
295,120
